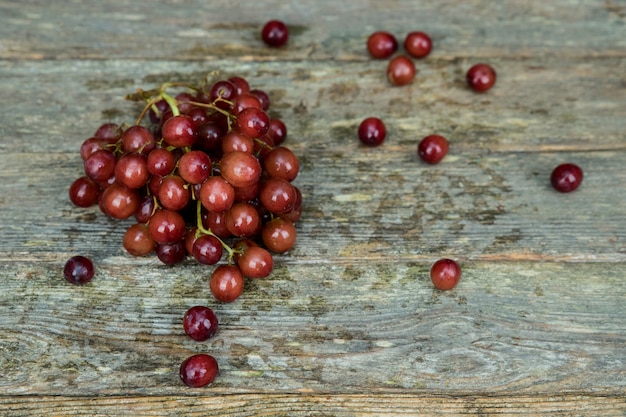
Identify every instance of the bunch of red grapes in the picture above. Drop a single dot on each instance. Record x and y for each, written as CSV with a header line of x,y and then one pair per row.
x,y
204,173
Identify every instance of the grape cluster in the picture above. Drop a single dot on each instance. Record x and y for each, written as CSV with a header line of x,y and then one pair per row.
x,y
204,173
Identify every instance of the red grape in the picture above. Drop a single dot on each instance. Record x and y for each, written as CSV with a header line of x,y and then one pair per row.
x,y
200,323
167,226
138,241
279,235
173,193
381,44
253,122
418,44
277,195
401,70
275,33
281,162
138,139
226,283
84,192
207,250
255,262
445,274
240,169
243,220
131,170
217,195
119,201
179,131
199,370
78,270
194,167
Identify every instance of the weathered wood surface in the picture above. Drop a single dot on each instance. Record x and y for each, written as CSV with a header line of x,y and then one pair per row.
x,y
349,323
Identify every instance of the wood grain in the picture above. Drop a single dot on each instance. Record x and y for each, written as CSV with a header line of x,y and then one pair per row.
x,y
543,104
324,405
321,30
348,324
471,207
508,327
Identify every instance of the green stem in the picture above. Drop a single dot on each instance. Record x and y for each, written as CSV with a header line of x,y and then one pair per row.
x,y
171,101
202,230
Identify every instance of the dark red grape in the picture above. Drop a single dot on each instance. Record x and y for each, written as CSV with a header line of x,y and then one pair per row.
x,y
78,270
275,33
84,192
200,323
207,250
171,253
199,370
381,45
481,77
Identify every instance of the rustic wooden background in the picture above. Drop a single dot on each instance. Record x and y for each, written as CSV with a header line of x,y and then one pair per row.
x,y
348,324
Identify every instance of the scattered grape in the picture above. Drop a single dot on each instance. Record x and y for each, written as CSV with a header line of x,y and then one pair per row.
x,y
566,177
372,131
381,44
78,270
432,149
418,44
199,370
401,70
481,77
275,33
200,323
445,274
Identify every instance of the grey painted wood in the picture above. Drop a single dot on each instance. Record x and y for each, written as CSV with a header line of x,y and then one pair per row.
x,y
320,30
349,323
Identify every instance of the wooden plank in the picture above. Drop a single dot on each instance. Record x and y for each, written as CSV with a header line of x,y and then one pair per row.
x,y
490,207
537,105
507,329
319,30
356,405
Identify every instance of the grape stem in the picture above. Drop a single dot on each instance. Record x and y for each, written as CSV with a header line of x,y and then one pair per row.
x,y
171,101
155,95
263,144
212,106
150,104
204,231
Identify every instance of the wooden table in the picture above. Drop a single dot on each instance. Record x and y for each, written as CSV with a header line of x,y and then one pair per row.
x,y
349,323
